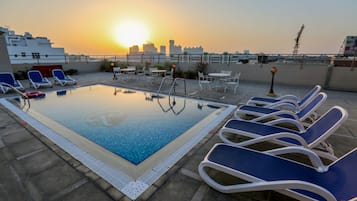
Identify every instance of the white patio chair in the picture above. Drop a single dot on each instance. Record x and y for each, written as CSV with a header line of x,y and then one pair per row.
x,y
232,83
116,72
203,81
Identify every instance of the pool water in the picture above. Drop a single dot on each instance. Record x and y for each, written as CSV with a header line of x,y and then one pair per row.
x,y
131,124
129,138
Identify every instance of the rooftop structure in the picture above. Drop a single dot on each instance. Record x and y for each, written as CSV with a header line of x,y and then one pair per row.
x,y
350,46
174,49
28,49
149,48
163,49
133,50
193,50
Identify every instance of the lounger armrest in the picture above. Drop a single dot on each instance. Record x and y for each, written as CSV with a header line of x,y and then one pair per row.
x,y
296,123
257,184
253,102
19,84
69,77
3,87
284,103
239,112
289,97
275,136
314,158
47,80
276,114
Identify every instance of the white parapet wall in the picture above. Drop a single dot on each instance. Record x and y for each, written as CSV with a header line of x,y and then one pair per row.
x,y
330,77
294,74
343,78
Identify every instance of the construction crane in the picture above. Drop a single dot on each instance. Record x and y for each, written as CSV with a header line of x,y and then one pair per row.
x,y
297,39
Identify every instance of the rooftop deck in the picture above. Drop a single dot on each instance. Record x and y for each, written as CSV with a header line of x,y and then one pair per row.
x,y
34,168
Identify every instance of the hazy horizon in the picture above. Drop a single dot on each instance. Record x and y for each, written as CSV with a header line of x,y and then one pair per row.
x,y
89,26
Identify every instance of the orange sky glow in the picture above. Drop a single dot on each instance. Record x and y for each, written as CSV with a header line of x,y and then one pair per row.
x,y
89,26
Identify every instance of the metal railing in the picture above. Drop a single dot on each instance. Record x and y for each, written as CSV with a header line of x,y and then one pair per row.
x,y
172,104
172,85
209,58
23,95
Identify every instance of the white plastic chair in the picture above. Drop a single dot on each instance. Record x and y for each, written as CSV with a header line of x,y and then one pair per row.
x,y
116,72
232,83
203,81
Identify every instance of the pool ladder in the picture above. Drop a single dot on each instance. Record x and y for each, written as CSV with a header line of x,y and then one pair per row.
x,y
173,85
172,104
23,95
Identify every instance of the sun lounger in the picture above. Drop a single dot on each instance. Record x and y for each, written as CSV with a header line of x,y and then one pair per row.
x,y
290,101
311,137
61,78
268,171
7,81
37,80
256,113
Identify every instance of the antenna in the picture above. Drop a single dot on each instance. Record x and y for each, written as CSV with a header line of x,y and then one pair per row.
x,y
341,51
297,40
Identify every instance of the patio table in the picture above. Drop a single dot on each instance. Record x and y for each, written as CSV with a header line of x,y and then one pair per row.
x,y
218,79
159,72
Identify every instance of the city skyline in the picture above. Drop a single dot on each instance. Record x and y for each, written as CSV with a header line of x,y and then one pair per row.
x,y
88,27
150,48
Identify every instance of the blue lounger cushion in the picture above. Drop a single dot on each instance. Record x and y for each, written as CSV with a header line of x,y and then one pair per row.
x,y
37,80
8,79
263,110
306,112
314,134
287,98
340,178
61,78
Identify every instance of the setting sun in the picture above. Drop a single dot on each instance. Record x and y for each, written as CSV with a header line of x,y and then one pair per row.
x,y
131,33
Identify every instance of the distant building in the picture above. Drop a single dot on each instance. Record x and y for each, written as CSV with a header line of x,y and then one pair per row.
x,y
28,49
350,46
163,49
149,48
174,49
71,58
133,50
246,52
193,50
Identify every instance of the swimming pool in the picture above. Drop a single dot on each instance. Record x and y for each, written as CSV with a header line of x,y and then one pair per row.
x,y
128,137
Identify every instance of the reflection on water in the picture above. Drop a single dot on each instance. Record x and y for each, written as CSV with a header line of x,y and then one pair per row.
x,y
131,124
124,91
106,119
61,92
200,106
175,108
151,97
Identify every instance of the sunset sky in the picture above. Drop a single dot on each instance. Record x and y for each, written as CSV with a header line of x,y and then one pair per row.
x,y
269,26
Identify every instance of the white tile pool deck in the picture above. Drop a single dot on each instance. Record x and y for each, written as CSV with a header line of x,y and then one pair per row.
x,y
33,168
